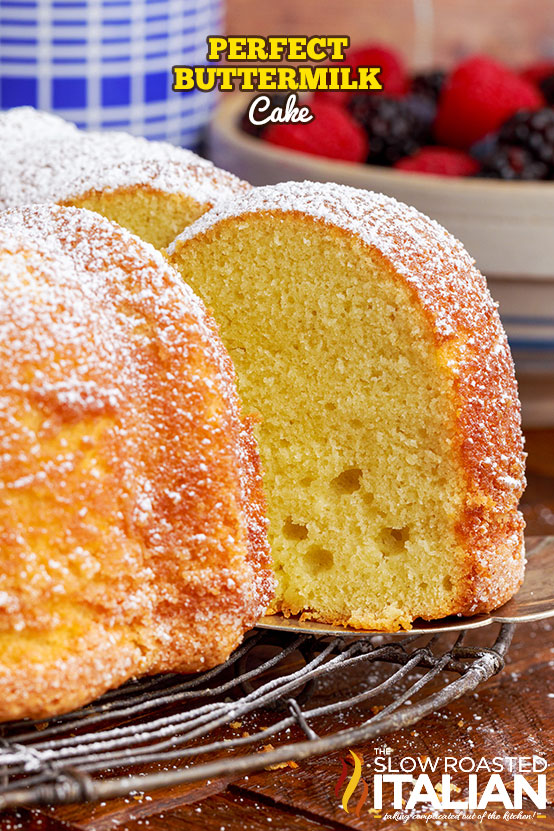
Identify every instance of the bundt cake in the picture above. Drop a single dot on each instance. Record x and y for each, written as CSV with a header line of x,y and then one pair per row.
x,y
390,424
152,188
132,522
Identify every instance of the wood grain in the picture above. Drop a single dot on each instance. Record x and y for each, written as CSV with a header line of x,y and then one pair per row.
x,y
510,715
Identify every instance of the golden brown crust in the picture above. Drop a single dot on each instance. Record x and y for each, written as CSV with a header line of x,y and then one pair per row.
x,y
359,619
486,430
77,676
132,532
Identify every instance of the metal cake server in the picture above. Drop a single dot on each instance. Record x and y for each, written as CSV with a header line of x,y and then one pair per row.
x,y
534,601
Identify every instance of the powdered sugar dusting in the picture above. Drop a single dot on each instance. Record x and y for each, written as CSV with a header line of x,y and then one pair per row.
x,y
122,475
373,217
46,159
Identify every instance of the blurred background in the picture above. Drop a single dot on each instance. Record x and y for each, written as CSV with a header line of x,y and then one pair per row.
x,y
426,32
106,63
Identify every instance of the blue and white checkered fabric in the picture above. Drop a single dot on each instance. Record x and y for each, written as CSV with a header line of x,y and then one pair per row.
x,y
106,64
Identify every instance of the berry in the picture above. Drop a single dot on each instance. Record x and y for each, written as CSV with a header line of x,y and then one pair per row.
x,y
424,110
536,72
278,99
546,86
534,131
395,127
484,147
393,75
477,98
523,148
429,84
509,162
442,161
332,133
338,97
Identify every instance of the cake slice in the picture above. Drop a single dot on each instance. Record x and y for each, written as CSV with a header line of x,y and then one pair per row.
x,y
152,188
389,428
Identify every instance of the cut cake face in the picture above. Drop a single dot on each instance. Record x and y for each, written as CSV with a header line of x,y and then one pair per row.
x,y
389,428
152,188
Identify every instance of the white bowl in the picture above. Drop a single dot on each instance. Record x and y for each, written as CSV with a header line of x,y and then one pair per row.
x,y
507,226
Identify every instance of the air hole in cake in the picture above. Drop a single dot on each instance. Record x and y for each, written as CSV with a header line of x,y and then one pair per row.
x,y
330,406
447,583
318,559
348,481
293,530
306,481
356,424
393,540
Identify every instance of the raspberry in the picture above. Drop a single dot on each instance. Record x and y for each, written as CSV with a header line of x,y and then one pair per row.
x,y
396,127
477,98
536,72
442,161
332,133
393,75
338,97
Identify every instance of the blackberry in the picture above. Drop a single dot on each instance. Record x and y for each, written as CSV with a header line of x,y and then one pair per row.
x,y
424,111
483,148
534,132
279,99
511,162
429,84
546,86
396,127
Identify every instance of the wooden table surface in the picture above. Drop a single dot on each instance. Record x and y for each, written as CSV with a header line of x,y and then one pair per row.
x,y
510,715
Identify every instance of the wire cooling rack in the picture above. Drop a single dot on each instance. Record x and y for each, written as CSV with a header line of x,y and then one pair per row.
x,y
171,729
